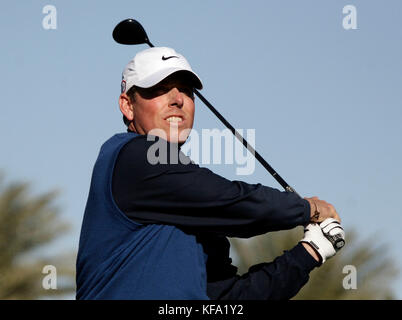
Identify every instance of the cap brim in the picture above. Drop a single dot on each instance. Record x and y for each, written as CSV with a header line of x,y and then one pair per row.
x,y
157,77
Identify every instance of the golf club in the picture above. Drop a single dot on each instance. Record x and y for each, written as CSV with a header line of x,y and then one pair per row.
x,y
131,32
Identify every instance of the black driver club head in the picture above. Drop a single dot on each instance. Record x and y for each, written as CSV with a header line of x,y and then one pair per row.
x,y
130,31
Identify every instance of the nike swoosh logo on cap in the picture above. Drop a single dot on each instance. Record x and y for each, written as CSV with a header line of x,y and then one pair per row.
x,y
167,58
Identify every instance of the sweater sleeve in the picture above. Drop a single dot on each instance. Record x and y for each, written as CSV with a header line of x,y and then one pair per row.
x,y
192,197
280,279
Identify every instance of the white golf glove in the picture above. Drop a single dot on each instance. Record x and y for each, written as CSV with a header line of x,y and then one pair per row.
x,y
316,237
333,231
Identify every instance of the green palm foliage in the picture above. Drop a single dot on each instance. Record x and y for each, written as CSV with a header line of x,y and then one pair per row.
x,y
375,271
27,225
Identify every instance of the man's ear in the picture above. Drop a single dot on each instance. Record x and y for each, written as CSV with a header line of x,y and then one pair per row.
x,y
126,107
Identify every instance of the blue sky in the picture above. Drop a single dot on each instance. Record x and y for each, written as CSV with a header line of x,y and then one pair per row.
x,y
325,102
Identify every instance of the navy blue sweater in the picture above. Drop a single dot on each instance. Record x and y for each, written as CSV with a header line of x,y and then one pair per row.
x,y
119,258
210,207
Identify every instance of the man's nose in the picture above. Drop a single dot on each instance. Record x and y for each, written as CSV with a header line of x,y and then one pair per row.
x,y
176,98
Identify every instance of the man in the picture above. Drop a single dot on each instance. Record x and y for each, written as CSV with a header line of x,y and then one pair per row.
x,y
158,230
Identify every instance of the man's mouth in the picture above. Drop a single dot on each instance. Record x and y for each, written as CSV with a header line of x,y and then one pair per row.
x,y
174,119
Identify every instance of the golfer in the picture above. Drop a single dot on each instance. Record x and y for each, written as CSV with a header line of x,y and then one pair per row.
x,y
156,224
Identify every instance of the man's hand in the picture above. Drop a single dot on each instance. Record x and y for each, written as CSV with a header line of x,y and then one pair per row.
x,y
321,210
333,231
315,240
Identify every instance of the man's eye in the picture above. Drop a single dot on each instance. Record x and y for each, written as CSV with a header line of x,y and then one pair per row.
x,y
160,90
187,91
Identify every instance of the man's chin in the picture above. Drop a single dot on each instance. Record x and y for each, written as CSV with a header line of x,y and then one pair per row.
x,y
180,141
178,136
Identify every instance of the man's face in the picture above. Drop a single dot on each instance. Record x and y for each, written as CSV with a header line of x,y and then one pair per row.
x,y
167,106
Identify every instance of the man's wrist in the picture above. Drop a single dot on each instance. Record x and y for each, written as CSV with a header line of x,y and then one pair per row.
x,y
314,213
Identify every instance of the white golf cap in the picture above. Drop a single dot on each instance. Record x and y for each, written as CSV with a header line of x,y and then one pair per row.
x,y
151,66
